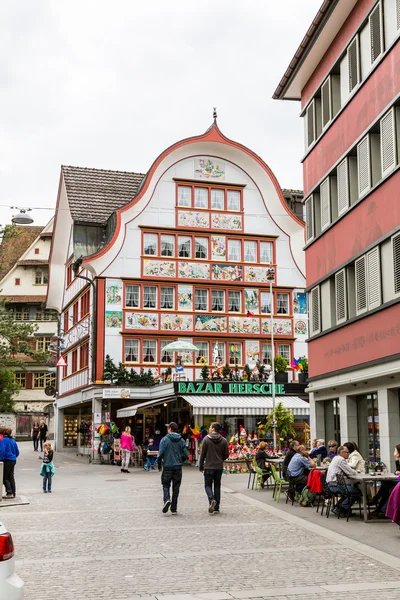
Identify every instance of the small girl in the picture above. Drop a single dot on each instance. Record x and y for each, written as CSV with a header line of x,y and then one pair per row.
x,y
150,462
47,468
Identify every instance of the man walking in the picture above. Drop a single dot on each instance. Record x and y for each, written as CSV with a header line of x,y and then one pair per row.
x,y
214,451
172,454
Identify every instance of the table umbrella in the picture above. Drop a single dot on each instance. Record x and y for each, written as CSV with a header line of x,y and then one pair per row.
x,y
181,345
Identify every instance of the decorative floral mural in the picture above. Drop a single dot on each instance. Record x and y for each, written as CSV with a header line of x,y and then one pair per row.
x,y
193,270
222,221
193,219
218,247
114,291
141,321
209,168
114,319
210,323
251,299
281,326
244,325
300,303
185,297
171,322
300,327
158,268
258,274
227,272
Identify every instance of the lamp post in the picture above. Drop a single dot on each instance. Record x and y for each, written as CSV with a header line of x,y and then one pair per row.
x,y
270,278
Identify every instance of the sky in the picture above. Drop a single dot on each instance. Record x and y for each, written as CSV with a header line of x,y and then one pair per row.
x,y
111,84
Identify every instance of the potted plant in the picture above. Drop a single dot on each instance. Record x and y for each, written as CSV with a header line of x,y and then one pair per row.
x,y
280,365
303,366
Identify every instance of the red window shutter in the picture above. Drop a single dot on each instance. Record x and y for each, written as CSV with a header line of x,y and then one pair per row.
x,y
66,324
37,250
74,361
28,381
75,313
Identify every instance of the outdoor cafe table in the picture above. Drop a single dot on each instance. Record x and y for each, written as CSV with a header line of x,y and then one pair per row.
x,y
277,462
363,479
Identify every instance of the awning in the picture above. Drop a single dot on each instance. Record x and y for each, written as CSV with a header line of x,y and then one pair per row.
x,y
130,411
231,405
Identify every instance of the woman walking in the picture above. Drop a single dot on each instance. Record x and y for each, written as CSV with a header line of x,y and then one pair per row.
x,y
8,454
42,434
35,435
127,447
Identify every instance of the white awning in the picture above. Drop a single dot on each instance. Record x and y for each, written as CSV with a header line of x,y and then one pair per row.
x,y
207,404
130,411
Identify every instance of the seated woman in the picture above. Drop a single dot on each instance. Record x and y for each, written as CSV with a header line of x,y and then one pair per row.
x,y
380,500
262,462
355,459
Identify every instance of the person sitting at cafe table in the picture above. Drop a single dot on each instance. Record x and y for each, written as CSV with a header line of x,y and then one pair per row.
x,y
332,446
293,447
320,450
339,464
355,459
380,500
299,467
262,462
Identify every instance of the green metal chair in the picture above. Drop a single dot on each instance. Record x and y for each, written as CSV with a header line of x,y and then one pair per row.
x,y
259,474
278,484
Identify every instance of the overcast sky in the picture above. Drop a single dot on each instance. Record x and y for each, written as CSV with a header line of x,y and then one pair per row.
x,y
111,84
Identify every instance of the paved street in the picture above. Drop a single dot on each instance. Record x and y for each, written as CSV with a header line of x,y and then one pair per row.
x,y
101,534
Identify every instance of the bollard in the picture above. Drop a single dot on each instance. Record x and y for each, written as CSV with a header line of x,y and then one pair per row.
x,y
1,480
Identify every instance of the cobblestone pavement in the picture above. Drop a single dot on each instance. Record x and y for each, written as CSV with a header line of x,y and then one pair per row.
x,y
101,535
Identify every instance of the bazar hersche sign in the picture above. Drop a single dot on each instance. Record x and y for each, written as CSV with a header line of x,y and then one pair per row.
x,y
226,387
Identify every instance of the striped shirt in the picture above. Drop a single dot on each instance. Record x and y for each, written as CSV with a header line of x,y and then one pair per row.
x,y
339,465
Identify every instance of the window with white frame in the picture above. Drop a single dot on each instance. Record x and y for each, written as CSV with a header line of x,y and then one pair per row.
x,y
150,244
266,351
201,299
202,352
284,350
201,197
184,246
309,204
353,58
149,351
315,311
149,296
265,302
233,200
250,251
266,252
368,281
388,140
167,298
234,250
131,350
167,245
364,165
396,263
41,277
132,296
218,300
167,356
217,199
235,353
282,304
201,247
341,296
184,195
234,301
218,353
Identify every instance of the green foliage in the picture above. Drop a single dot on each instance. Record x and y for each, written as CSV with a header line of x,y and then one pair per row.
x,y
16,338
280,363
110,370
205,372
8,388
247,370
121,376
284,420
303,364
226,371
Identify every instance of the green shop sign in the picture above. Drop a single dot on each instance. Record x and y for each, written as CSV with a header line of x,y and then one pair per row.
x,y
227,387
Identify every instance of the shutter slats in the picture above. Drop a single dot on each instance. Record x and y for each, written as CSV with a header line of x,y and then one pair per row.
x,y
326,102
375,31
363,165
315,311
396,263
343,187
311,123
388,142
361,285
325,204
352,57
340,292
373,279
309,204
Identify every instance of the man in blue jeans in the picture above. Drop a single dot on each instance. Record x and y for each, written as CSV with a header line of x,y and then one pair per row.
x,y
214,451
172,454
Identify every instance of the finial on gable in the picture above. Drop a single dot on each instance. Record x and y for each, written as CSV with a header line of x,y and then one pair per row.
x,y
215,113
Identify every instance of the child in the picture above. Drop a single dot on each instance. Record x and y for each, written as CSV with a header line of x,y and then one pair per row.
x,y
47,469
150,462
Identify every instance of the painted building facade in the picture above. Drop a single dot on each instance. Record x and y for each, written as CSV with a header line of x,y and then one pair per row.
x,y
346,76
184,256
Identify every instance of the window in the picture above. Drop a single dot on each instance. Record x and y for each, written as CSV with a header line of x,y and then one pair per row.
x,y
37,251
42,380
266,350
184,196
325,200
326,103
149,351
149,296
310,123
368,281
70,274
74,360
42,343
84,356
396,263
376,31
201,197
388,142
364,166
250,251
309,204
167,298
75,313
218,353
132,296
282,304
341,296
17,281
315,312
66,321
233,200
167,245
202,352
284,350
342,174
18,315
167,356
25,315
201,299
85,304
150,244
234,250
218,300
39,315
234,303
131,351
266,252
200,247
20,378
265,302
235,354
41,277
217,199
354,64
184,246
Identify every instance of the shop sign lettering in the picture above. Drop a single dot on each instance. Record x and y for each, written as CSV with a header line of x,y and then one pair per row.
x,y
227,387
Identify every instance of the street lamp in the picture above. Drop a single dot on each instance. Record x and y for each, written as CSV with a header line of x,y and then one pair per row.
x,y
22,218
270,278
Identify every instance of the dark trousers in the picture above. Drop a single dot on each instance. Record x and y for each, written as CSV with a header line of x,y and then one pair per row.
x,y
8,477
47,477
42,441
35,440
212,485
173,476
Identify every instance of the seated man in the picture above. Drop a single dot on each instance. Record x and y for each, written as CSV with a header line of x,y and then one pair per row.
x,y
320,450
299,467
294,446
339,464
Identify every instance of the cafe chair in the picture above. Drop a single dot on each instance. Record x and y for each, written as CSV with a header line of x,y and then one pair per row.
x,y
327,497
345,493
252,474
259,475
278,484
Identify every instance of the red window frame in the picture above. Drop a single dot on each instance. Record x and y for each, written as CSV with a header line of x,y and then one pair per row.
x,y
74,361
37,251
209,187
85,303
84,356
75,312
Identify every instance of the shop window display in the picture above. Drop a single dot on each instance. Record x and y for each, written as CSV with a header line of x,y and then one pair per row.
x,y
70,431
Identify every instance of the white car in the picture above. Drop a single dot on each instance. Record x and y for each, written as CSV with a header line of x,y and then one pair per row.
x,y
11,586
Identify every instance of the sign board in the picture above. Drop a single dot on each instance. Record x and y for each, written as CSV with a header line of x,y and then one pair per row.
x,y
61,362
227,387
97,418
116,393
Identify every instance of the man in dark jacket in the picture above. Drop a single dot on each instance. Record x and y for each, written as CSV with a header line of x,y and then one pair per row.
x,y
214,451
294,446
171,456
